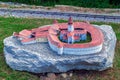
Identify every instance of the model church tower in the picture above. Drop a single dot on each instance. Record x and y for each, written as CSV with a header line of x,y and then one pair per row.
x,y
70,25
70,33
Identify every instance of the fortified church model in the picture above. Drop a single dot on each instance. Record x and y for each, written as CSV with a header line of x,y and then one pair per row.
x,y
65,38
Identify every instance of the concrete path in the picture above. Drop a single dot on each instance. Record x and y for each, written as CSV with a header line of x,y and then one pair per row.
x,y
58,15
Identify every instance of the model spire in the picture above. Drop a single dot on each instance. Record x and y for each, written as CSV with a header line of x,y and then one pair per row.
x,y
70,21
55,21
70,25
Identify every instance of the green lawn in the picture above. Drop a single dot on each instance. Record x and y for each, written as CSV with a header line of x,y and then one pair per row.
x,y
9,25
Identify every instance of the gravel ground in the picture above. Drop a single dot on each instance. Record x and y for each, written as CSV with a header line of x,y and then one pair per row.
x,y
89,16
62,8
30,13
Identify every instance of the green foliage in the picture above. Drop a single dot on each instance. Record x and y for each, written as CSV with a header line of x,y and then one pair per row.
x,y
87,3
114,2
81,3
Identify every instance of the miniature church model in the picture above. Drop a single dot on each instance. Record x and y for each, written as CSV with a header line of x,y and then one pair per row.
x,y
62,37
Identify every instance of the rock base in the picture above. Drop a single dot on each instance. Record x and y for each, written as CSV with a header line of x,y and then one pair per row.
x,y
39,58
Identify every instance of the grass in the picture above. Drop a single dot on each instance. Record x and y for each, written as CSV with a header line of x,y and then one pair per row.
x,y
9,25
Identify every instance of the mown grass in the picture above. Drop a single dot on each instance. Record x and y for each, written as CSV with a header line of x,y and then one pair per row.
x,y
9,25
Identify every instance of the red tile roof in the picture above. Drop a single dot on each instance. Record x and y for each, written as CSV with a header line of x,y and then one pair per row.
x,y
76,37
51,33
25,32
69,34
60,45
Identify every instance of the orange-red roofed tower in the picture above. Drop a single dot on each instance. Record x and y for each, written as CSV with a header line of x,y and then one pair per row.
x,y
70,25
70,31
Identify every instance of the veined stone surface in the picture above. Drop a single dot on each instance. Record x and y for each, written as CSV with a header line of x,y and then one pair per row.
x,y
39,58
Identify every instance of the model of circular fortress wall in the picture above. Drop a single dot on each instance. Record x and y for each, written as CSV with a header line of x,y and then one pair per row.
x,y
52,32
77,49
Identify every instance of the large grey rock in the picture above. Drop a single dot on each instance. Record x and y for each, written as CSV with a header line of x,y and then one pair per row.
x,y
39,58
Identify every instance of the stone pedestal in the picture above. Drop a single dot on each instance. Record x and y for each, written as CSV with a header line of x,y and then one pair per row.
x,y
39,58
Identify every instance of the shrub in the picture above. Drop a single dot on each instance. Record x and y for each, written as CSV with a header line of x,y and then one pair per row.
x,y
81,3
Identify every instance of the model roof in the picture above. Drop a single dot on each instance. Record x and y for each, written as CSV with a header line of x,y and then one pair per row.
x,y
25,32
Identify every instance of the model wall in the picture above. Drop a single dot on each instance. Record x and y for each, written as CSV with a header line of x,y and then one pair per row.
x,y
53,47
76,51
82,51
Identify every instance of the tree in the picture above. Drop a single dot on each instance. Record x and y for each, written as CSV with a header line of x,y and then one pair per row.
x,y
114,2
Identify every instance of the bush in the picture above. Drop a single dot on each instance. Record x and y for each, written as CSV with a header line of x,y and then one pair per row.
x,y
81,3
